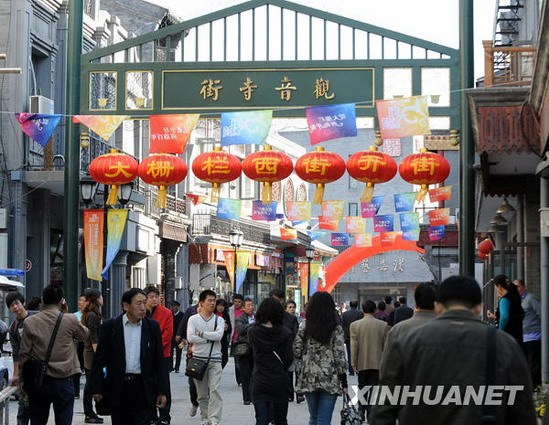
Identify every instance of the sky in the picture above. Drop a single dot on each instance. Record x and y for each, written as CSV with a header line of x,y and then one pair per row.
x,y
432,20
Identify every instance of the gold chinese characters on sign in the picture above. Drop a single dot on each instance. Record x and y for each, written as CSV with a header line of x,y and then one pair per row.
x,y
210,89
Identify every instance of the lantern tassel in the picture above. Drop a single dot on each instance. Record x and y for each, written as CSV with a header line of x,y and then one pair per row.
x,y
216,193
422,193
161,197
319,194
367,193
112,199
267,193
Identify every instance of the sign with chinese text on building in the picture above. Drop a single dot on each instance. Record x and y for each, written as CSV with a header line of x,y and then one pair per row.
x,y
265,88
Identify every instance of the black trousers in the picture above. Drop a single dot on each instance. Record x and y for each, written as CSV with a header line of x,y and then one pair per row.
x,y
134,408
367,377
165,412
532,351
178,351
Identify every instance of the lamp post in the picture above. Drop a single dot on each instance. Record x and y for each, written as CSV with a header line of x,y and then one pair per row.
x,y
88,188
309,253
235,237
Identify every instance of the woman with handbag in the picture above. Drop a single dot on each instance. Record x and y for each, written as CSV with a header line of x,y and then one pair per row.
x,y
272,353
91,318
320,349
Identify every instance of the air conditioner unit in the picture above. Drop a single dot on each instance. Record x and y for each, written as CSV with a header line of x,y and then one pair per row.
x,y
40,105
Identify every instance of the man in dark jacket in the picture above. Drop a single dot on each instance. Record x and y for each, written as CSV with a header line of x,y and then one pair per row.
x,y
347,318
438,363
290,320
130,349
177,317
403,312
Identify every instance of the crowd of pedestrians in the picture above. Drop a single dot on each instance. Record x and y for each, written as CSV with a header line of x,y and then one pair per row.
x,y
279,357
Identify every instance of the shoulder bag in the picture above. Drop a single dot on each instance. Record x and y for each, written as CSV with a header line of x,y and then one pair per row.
x,y
35,369
196,368
349,413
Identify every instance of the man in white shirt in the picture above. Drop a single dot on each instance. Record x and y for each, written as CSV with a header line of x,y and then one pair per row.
x,y
204,332
130,349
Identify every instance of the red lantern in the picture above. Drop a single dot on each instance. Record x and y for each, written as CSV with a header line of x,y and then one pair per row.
x,y
371,167
486,246
482,255
267,166
113,169
320,167
162,170
217,167
424,168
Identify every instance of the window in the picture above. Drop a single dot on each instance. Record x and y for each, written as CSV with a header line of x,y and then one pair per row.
x,y
353,209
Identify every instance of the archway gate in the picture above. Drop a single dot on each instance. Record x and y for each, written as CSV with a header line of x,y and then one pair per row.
x,y
267,54
264,54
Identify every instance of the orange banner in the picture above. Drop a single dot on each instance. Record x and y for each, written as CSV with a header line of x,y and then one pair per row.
x,y
303,278
439,217
170,133
93,243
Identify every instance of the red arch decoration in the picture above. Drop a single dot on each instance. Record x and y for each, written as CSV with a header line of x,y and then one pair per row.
x,y
355,254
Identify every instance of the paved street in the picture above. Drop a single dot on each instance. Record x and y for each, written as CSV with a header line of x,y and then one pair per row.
x,y
234,412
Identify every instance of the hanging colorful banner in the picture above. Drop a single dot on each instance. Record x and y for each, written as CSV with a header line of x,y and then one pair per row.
x,y
170,133
388,238
384,223
326,224
409,221
303,270
261,211
331,122
195,199
339,239
103,125
370,209
288,234
436,233
93,243
333,210
229,208
228,256
39,127
411,235
242,262
363,239
314,275
298,211
245,128
403,117
439,217
404,202
354,225
116,223
439,194
315,234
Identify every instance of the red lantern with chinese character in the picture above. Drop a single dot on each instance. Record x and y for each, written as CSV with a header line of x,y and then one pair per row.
x,y
267,166
371,167
162,170
113,169
424,168
320,167
217,167
486,246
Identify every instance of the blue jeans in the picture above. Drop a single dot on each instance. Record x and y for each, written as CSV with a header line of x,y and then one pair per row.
x,y
56,391
321,407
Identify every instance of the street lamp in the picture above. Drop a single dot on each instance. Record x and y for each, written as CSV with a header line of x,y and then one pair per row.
x,y
309,253
88,187
235,237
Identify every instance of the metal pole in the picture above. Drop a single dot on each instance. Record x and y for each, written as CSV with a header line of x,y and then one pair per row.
x,y
72,154
467,152
544,282
235,264
308,278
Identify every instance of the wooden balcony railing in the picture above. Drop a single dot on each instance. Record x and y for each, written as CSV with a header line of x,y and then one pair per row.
x,y
508,65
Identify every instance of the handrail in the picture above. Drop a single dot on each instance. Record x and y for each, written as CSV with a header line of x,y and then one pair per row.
x,y
508,65
5,395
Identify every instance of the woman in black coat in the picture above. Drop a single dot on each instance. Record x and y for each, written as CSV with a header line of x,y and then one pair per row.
x,y
272,350
222,310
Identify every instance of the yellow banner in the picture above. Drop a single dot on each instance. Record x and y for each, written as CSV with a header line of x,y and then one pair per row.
x,y
103,125
93,243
